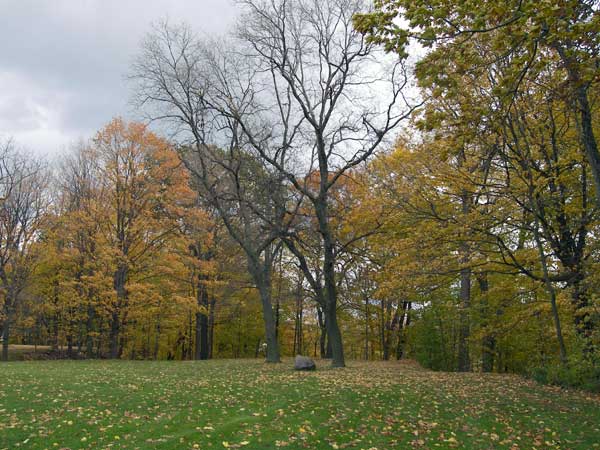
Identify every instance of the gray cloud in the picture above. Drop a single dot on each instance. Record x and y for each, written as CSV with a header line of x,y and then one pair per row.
x,y
63,62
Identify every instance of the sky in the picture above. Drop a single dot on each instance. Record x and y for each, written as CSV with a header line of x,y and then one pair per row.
x,y
63,63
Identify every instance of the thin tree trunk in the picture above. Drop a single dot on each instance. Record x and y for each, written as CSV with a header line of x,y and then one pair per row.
x,y
89,341
390,327
157,339
488,341
548,284
464,360
114,335
69,346
201,348
403,322
583,320
366,328
120,279
211,327
277,313
5,337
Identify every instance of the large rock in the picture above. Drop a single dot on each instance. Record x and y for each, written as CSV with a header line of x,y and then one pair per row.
x,y
304,363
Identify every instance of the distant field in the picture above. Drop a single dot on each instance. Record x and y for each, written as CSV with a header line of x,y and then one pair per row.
x,y
247,404
20,352
15,348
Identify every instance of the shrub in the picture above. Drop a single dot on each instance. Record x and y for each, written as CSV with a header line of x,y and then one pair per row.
x,y
578,373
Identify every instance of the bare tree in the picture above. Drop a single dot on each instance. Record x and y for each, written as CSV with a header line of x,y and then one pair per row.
x,y
23,200
299,89
245,195
338,98
173,75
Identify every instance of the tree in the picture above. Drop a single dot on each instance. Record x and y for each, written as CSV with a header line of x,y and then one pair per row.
x,y
172,75
144,192
530,36
23,200
319,83
317,78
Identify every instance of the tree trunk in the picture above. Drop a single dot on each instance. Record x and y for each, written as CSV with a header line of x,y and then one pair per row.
x,y
334,334
582,107
89,341
583,320
201,349
69,346
328,351
334,337
390,327
54,342
211,327
298,334
488,342
366,328
119,282
5,337
588,138
277,313
157,339
270,326
261,272
323,333
403,322
547,283
114,335
464,360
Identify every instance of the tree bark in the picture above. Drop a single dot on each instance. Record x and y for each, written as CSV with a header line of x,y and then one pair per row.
x,y
464,360
330,292
488,342
390,327
583,320
323,333
403,323
298,333
201,348
366,328
211,327
114,335
120,279
262,278
89,342
5,337
586,127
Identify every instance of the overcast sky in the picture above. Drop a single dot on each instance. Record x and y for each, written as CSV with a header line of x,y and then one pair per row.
x,y
63,62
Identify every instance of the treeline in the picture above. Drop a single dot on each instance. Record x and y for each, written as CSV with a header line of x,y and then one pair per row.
x,y
274,220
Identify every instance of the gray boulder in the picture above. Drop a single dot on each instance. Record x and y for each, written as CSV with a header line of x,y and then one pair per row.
x,y
304,363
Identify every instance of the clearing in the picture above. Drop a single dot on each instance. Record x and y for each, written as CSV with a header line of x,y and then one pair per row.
x,y
248,404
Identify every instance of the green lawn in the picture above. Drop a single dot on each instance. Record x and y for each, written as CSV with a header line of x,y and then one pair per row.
x,y
248,404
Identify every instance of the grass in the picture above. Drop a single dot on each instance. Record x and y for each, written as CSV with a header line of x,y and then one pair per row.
x,y
248,404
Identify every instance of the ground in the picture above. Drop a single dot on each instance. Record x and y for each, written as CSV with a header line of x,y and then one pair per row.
x,y
252,405
20,352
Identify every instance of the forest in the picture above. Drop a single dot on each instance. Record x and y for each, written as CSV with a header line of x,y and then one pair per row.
x,y
412,180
